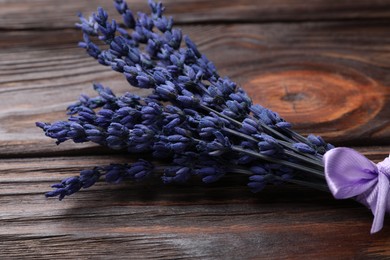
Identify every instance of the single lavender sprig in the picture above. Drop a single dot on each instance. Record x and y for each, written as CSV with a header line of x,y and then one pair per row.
x,y
113,173
200,123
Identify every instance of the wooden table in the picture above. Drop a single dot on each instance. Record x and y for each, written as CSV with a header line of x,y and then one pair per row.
x,y
323,65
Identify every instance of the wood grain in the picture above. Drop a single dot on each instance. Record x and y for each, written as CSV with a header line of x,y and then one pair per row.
x,y
223,220
48,14
323,65
303,71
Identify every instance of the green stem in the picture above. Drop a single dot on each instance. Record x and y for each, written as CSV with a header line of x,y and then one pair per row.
x,y
221,115
299,137
285,140
296,155
317,173
306,184
269,129
318,186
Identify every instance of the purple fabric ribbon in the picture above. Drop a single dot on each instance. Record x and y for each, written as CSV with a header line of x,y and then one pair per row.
x,y
351,175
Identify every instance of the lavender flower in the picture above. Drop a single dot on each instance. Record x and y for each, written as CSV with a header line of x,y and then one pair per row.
x,y
203,125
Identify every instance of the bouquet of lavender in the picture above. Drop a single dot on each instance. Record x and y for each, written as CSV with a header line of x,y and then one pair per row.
x,y
197,123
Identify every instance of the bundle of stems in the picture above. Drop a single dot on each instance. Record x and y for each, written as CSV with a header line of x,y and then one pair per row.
x,y
195,122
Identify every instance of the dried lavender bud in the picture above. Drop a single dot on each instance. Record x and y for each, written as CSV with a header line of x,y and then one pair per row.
x,y
176,174
268,145
211,173
304,148
67,187
89,177
250,127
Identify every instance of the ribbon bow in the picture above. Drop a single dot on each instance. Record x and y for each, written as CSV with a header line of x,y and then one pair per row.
x,y
351,175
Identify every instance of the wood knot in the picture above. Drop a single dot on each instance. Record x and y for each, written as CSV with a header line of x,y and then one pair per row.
x,y
292,97
312,97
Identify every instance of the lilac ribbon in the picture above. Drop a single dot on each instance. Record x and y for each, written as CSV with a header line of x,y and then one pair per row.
x,y
351,175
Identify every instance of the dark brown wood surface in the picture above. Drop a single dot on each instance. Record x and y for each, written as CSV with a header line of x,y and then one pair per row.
x,y
323,65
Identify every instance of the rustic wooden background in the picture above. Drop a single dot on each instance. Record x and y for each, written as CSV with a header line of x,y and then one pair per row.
x,y
324,65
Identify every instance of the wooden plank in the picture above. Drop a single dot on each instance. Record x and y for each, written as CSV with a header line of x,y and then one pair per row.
x,y
329,79
27,14
327,73
137,221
